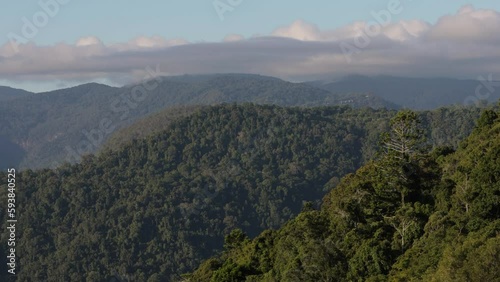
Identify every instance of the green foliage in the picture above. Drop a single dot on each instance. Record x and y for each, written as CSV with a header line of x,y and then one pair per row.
x,y
447,229
162,204
235,239
405,137
44,127
46,124
148,126
156,207
474,257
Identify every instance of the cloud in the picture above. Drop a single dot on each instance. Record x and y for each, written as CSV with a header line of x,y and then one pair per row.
x,y
468,25
88,41
302,30
233,38
143,42
399,31
463,44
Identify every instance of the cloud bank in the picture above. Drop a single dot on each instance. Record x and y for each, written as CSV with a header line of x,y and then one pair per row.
x,y
464,44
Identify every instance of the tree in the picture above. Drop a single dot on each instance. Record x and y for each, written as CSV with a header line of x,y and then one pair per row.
x,y
405,137
402,144
235,239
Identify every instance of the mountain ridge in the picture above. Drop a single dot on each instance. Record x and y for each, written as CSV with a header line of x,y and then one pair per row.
x,y
49,125
413,93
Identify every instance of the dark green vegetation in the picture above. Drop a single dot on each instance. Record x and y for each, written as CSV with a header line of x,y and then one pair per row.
x,y
148,126
41,125
444,126
156,207
53,127
161,205
409,215
419,93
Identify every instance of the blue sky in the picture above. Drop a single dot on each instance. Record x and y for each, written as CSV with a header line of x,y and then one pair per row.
x,y
113,41
196,20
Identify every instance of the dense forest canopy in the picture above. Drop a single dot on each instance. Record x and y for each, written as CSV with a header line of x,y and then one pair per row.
x,y
53,127
442,127
409,215
155,207
162,204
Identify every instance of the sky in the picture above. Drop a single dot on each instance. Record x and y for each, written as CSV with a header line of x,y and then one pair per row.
x,y
51,44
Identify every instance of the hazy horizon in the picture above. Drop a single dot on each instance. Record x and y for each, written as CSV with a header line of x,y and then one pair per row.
x,y
331,80
43,48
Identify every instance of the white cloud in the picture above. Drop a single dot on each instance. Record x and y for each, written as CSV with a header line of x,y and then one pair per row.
x,y
233,38
88,41
406,30
300,30
468,25
143,42
399,31
464,44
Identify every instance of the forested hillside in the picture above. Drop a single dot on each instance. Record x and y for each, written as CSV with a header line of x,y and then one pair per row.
x,y
158,206
43,124
409,215
9,93
442,127
53,127
147,126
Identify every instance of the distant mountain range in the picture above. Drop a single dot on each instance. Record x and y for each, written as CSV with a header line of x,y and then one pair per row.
x,y
413,93
45,129
9,93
